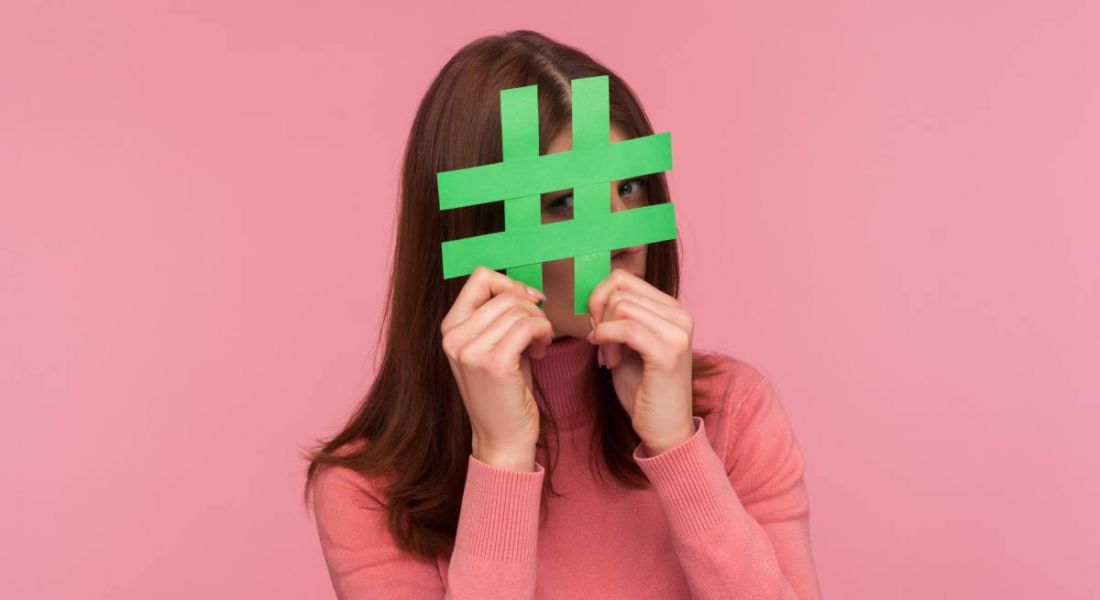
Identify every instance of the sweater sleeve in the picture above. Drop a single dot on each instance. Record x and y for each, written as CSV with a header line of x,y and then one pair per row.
x,y
740,531
495,544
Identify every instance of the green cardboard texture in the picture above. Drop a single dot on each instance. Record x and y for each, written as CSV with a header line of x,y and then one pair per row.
x,y
523,175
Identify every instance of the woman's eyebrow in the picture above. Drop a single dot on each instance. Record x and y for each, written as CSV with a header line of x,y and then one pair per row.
x,y
557,194
618,183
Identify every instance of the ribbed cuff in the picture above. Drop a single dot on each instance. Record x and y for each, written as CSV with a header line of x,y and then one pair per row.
x,y
691,483
500,512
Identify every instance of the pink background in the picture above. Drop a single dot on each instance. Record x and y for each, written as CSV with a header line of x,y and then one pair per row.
x,y
889,207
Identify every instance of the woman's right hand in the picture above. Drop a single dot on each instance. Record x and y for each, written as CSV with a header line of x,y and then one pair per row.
x,y
491,327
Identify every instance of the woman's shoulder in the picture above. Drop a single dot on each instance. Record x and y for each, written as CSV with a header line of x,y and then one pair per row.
x,y
734,389
729,380
340,484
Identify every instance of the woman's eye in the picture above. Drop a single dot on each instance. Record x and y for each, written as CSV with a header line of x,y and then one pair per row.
x,y
634,187
632,191
563,203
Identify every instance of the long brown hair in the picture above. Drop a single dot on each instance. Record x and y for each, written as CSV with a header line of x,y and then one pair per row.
x,y
411,428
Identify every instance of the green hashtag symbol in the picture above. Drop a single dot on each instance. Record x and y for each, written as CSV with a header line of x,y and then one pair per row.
x,y
589,168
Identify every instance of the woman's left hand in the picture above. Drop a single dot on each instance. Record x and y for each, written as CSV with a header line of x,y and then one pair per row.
x,y
645,340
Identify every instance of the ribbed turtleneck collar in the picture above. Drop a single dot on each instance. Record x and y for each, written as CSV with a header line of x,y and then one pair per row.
x,y
569,376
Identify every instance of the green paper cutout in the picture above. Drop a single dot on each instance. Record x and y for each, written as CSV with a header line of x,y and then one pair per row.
x,y
587,169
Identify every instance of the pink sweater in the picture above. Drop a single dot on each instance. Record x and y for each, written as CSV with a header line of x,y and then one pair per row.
x,y
726,516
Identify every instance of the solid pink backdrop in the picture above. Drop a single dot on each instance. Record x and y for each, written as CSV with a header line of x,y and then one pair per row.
x,y
888,207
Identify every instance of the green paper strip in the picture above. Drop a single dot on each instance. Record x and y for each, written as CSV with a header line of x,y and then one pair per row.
x,y
552,172
587,169
592,129
519,121
555,241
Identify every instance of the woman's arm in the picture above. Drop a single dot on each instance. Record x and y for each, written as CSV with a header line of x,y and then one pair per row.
x,y
742,530
495,545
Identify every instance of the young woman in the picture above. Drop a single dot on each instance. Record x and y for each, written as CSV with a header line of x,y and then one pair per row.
x,y
511,449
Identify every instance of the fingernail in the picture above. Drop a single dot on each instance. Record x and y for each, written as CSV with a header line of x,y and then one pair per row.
x,y
599,357
537,294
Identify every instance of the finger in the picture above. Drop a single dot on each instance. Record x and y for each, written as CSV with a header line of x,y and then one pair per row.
x,y
672,313
488,313
670,333
636,336
483,284
620,279
487,339
623,279
612,353
528,331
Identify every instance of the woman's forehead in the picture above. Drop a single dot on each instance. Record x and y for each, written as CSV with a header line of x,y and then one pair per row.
x,y
564,139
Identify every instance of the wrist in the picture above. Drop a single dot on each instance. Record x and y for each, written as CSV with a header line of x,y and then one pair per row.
x,y
655,447
516,459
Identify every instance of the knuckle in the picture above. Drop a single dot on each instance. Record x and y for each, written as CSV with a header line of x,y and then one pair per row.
x,y
468,358
517,298
535,326
630,329
629,304
618,310
524,325
481,274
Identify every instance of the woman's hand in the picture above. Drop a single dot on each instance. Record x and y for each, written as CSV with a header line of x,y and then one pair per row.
x,y
645,340
492,323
